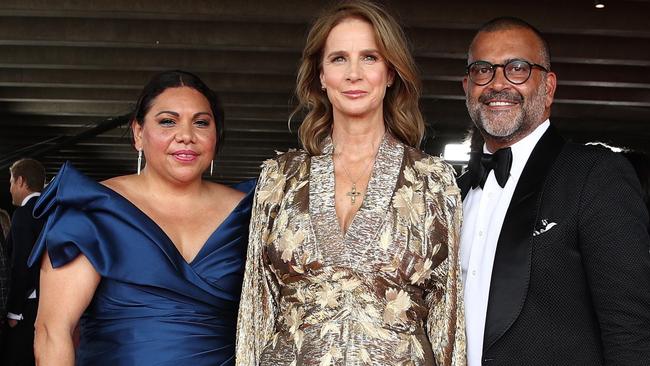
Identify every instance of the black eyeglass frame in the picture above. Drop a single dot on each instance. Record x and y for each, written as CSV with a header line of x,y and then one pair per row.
x,y
531,65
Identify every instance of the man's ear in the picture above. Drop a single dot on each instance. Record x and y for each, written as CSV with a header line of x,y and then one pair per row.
x,y
465,81
21,182
551,84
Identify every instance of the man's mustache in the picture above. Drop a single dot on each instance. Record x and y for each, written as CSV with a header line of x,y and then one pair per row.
x,y
502,96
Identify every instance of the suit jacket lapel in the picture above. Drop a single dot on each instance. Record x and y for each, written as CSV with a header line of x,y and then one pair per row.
x,y
464,183
511,270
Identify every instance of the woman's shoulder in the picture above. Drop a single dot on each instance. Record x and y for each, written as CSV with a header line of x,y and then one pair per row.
x,y
127,187
285,162
78,210
224,198
416,156
219,192
69,188
289,156
120,184
432,167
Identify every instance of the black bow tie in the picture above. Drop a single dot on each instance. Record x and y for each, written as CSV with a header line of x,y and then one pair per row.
x,y
480,165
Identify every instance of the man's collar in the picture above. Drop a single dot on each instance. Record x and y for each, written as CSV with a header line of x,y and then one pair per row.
x,y
522,149
26,199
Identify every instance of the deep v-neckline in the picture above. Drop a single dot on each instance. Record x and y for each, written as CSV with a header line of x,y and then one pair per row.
x,y
341,231
367,221
172,246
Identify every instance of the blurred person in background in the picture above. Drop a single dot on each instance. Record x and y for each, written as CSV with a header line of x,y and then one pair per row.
x,y
5,223
26,183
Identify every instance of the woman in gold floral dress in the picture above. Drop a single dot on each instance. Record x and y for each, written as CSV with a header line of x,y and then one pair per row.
x,y
353,254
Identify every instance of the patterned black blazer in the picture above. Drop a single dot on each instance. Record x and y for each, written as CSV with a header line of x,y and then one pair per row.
x,y
571,277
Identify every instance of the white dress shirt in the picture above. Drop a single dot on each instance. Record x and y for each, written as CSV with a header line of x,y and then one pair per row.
x,y
33,294
483,213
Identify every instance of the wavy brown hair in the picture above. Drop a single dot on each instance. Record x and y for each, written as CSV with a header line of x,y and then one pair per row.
x,y
402,116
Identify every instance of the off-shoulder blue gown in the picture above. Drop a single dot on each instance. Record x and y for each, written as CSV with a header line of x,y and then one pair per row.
x,y
151,307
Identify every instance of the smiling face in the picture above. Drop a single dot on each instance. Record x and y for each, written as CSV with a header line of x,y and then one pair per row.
x,y
353,71
504,112
178,135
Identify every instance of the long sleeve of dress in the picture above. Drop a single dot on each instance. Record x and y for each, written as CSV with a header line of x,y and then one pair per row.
x,y
258,306
446,319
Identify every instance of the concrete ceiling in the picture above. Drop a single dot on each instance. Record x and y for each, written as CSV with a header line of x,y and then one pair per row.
x,y
70,69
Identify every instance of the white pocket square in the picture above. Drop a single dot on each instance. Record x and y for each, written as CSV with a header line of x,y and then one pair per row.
x,y
546,226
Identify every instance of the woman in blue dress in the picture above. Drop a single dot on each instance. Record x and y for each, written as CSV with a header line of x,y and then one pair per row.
x,y
150,265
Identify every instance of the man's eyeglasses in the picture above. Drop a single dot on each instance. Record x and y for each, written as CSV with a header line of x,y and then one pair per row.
x,y
516,71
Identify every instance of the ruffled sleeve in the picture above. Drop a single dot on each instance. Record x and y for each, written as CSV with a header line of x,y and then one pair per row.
x,y
67,231
85,217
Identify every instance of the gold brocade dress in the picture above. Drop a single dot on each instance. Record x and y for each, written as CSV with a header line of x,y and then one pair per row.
x,y
385,293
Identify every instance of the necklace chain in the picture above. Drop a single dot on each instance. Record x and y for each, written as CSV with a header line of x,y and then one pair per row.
x,y
363,173
354,193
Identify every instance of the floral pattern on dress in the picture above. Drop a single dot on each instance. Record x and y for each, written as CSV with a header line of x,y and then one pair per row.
x,y
386,292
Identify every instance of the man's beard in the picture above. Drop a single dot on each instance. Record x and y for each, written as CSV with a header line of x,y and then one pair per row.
x,y
512,124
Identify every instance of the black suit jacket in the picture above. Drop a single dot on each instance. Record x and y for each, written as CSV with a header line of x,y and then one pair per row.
x,y
23,234
577,293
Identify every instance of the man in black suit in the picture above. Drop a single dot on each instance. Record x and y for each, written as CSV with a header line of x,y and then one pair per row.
x,y
554,244
26,183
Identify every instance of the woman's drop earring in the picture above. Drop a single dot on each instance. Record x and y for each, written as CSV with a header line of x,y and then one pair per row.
x,y
211,167
139,160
